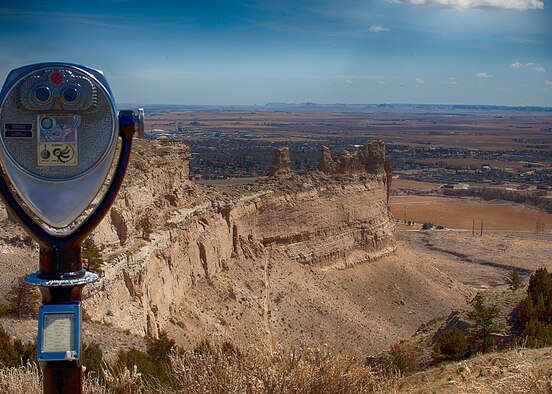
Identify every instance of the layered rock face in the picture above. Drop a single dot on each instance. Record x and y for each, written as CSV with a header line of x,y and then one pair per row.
x,y
369,159
195,233
156,181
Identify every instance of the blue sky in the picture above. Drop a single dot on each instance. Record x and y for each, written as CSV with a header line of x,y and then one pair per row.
x,y
254,52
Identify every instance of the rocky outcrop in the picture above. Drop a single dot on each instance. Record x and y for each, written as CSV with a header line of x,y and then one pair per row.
x,y
281,167
368,159
198,234
388,175
327,163
156,180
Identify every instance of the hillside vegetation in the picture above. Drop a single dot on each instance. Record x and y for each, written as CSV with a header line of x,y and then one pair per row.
x,y
226,369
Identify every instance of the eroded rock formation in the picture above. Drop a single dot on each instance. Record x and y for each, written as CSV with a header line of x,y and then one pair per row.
x,y
370,158
200,233
327,162
281,167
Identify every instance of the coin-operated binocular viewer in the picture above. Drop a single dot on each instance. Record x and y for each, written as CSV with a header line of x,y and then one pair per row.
x,y
59,132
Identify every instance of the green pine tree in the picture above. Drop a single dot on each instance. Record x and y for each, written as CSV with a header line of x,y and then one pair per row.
x,y
513,280
483,317
91,256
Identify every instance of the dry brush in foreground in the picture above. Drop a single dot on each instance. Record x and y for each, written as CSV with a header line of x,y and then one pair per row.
x,y
226,369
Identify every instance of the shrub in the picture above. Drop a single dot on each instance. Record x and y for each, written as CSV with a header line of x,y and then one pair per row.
x,y
23,299
227,369
143,362
537,333
401,361
231,351
535,316
154,364
160,349
15,353
147,228
539,290
451,345
203,348
92,359
427,226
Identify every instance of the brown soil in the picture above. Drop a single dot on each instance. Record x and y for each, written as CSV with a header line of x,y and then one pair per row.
x,y
464,213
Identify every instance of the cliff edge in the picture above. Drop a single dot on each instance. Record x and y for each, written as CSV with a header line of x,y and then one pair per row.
x,y
297,260
165,234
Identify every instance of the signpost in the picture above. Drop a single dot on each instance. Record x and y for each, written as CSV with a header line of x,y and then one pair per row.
x,y
59,131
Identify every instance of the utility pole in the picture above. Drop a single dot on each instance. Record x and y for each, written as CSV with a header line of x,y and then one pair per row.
x,y
481,228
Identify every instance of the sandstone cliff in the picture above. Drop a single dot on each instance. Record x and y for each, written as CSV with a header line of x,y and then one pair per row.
x,y
197,233
259,262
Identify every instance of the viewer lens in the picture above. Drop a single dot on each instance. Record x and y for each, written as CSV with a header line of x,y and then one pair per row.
x,y
42,95
70,95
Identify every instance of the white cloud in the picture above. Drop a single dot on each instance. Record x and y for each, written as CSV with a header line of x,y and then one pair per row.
x,y
548,82
518,65
419,81
378,29
464,4
483,75
381,83
348,82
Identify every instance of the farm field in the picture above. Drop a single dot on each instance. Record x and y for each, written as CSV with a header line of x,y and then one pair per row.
x,y
492,130
461,213
399,183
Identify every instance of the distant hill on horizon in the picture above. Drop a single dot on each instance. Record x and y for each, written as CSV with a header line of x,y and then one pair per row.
x,y
308,106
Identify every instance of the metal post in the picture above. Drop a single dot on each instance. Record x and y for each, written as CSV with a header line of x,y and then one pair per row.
x,y
62,377
59,261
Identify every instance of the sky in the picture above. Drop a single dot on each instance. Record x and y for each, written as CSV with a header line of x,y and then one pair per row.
x,y
496,52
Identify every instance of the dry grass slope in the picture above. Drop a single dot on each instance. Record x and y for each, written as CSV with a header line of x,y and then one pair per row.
x,y
515,371
228,370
